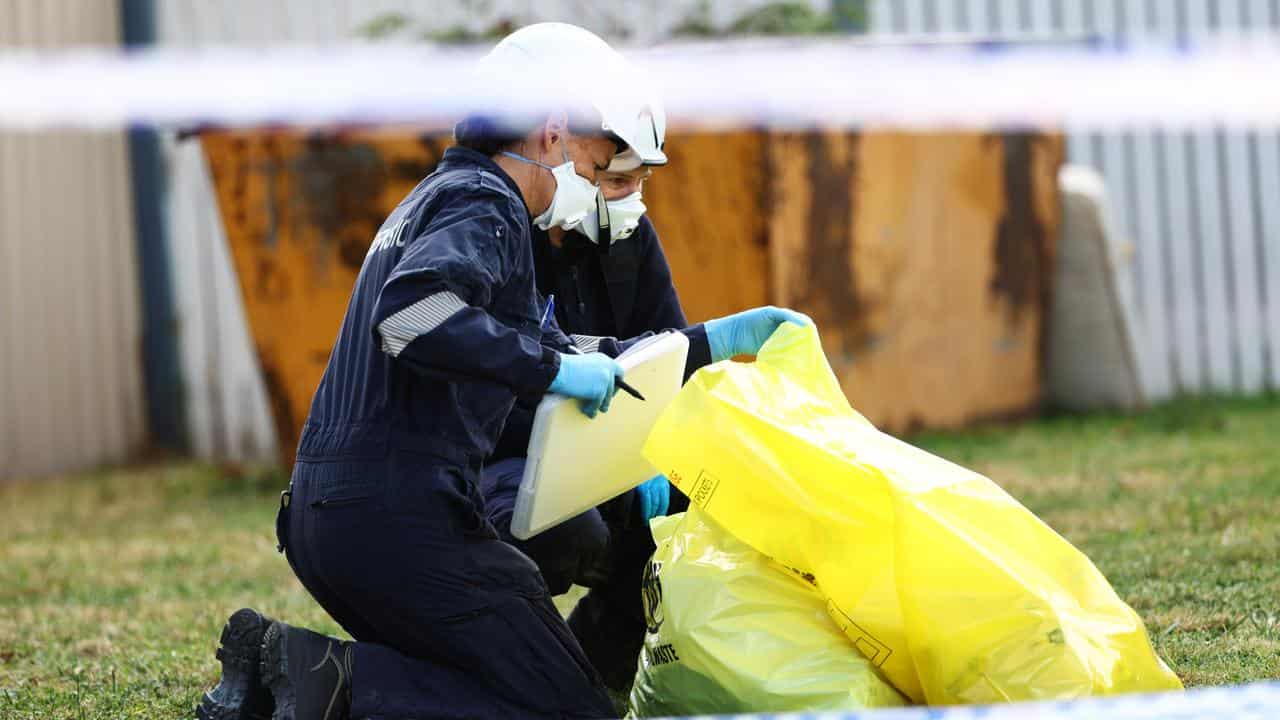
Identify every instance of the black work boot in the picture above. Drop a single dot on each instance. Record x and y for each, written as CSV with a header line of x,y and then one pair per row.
x,y
239,694
309,674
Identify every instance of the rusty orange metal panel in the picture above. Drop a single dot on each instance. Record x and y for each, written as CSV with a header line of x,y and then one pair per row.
x,y
924,259
709,206
300,212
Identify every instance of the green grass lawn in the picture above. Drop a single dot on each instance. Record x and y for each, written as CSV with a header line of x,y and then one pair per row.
x,y
113,586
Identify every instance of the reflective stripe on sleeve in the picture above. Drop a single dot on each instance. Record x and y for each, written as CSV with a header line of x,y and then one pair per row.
x,y
587,343
416,320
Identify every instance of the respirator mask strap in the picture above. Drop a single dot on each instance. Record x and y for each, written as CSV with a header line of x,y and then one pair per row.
x,y
604,232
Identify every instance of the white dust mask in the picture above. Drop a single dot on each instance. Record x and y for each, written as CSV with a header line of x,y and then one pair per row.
x,y
624,218
574,197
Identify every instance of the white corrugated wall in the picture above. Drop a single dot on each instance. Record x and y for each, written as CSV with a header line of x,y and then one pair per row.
x,y
1199,211
70,337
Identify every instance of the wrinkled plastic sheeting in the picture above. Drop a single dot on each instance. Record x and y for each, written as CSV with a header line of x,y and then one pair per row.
x,y
729,631
947,584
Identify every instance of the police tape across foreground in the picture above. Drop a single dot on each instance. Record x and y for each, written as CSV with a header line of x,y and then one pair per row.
x,y
933,586
963,82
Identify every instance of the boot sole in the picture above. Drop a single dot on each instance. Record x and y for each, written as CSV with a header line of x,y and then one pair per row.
x,y
244,630
274,672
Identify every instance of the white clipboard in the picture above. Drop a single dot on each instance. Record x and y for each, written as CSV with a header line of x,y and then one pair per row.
x,y
575,462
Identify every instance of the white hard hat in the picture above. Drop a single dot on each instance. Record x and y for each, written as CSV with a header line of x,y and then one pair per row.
x,y
645,144
565,60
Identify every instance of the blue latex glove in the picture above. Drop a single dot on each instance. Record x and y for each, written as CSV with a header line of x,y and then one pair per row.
x,y
746,332
655,496
590,378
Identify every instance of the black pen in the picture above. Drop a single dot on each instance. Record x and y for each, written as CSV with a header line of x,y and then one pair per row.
x,y
624,387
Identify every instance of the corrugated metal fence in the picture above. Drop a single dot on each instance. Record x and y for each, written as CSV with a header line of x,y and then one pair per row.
x,y
253,22
70,383
1199,210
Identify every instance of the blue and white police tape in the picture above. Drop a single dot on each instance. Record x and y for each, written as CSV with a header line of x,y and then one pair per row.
x,y
1259,701
790,84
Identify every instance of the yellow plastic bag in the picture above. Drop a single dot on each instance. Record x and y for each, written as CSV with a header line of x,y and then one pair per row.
x,y
944,581
730,631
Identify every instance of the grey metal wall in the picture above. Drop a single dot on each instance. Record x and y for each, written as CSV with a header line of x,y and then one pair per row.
x,y
70,370
1200,212
254,22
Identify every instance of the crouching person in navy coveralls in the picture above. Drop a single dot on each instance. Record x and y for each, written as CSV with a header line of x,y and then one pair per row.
x,y
384,523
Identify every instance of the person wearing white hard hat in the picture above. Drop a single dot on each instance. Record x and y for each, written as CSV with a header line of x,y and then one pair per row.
x,y
383,521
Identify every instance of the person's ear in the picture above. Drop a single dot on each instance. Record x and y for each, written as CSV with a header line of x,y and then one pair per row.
x,y
554,130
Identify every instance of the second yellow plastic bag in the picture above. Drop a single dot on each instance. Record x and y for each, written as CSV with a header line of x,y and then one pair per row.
x,y
730,631
945,582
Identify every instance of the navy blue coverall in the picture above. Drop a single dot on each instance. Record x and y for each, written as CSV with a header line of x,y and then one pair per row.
x,y
624,291
386,526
